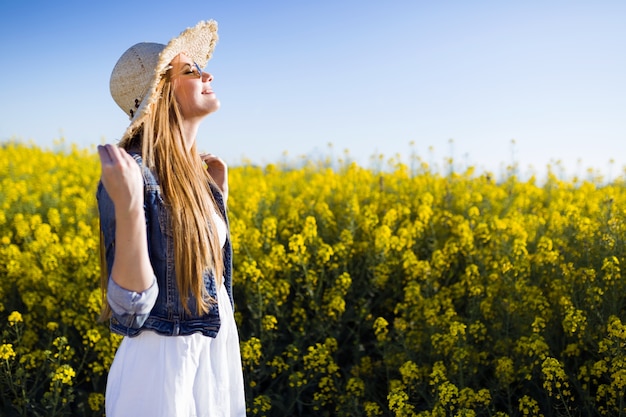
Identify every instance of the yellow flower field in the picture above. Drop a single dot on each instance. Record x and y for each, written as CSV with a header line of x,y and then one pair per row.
x,y
359,291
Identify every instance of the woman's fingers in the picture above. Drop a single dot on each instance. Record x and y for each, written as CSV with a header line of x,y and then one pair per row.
x,y
112,155
103,153
209,157
121,177
217,169
214,163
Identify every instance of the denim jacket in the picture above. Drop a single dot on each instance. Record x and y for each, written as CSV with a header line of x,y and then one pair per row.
x,y
167,316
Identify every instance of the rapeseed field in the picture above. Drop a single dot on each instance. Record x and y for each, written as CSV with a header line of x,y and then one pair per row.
x,y
359,291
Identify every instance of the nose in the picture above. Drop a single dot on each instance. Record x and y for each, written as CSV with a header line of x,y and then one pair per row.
x,y
207,76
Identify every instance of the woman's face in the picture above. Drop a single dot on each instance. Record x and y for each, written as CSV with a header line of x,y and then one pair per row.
x,y
192,89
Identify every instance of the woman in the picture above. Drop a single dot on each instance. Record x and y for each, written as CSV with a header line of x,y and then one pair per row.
x,y
167,255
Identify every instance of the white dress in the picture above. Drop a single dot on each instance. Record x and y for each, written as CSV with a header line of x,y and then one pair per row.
x,y
179,376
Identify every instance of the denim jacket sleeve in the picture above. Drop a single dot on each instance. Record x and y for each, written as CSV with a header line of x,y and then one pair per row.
x,y
129,308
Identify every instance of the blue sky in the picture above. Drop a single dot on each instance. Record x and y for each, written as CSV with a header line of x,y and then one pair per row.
x,y
460,79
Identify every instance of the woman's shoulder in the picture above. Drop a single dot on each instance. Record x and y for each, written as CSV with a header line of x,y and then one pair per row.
x,y
136,154
149,178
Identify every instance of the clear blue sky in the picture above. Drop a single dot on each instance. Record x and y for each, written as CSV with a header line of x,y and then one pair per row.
x,y
367,76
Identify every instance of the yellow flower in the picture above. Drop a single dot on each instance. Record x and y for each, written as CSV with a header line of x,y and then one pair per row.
x,y
355,387
528,406
616,329
92,337
96,401
319,357
6,352
297,379
410,372
261,404
438,374
398,402
251,352
15,317
457,329
335,306
372,409
555,378
381,329
269,322
448,394
64,374
473,212
505,370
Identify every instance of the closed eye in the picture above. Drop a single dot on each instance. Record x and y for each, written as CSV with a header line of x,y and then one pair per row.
x,y
192,69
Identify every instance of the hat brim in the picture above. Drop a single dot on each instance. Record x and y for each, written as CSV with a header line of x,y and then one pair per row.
x,y
197,43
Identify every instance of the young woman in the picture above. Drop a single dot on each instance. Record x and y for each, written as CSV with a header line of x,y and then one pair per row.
x,y
167,255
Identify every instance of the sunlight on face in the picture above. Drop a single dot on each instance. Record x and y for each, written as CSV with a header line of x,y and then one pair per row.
x,y
192,89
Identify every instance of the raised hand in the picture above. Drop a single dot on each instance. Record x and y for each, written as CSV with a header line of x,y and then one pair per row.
x,y
121,177
218,170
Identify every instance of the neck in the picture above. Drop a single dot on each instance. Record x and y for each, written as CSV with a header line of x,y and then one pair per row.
x,y
190,130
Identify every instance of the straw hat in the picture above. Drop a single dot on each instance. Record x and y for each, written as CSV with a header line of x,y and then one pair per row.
x,y
138,71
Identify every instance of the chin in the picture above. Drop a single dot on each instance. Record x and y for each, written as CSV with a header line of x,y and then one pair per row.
x,y
216,106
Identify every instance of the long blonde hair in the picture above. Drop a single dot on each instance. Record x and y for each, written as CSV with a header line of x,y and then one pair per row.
x,y
184,183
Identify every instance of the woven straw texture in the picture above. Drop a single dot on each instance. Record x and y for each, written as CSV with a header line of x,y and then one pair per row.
x,y
138,71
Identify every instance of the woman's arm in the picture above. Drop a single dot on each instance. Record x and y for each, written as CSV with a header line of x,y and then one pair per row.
x,y
122,179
